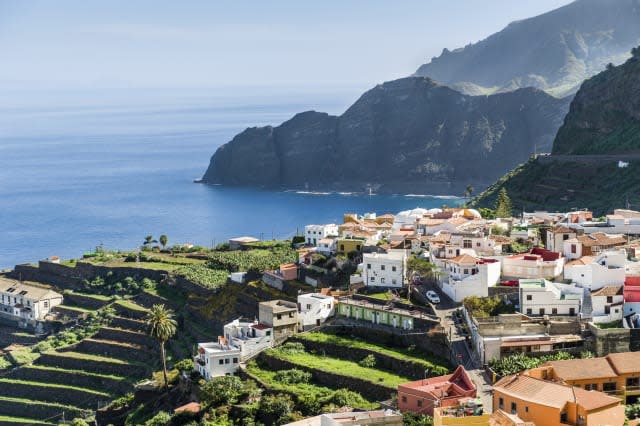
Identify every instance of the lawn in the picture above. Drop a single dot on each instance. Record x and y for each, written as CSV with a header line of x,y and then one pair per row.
x,y
299,390
387,297
341,367
435,365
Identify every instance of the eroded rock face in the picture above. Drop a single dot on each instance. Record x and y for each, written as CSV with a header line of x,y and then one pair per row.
x,y
554,51
405,135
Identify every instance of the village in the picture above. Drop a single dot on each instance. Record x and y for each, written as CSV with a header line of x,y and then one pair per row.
x,y
446,316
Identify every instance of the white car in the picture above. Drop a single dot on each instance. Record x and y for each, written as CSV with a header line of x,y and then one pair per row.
x,y
433,297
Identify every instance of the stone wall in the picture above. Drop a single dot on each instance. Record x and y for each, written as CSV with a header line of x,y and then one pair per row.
x,y
118,335
401,367
67,396
59,360
39,411
129,324
83,301
369,390
113,350
610,340
148,300
433,341
74,378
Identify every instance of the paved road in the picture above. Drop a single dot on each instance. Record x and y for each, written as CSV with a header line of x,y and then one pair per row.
x,y
460,352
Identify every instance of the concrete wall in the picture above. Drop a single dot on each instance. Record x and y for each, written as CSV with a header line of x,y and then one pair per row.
x,y
610,340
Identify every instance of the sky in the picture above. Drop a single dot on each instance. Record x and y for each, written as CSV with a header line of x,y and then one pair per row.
x,y
79,44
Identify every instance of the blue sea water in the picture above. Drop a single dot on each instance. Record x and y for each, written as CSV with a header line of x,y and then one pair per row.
x,y
88,168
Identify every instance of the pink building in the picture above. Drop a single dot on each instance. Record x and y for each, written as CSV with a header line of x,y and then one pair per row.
x,y
422,396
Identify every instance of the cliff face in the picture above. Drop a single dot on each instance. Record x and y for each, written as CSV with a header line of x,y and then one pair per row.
x,y
555,51
406,135
601,130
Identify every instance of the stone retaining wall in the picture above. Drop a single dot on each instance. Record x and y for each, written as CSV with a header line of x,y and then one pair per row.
x,y
83,301
67,396
39,411
401,367
123,311
74,378
128,324
119,335
126,370
369,390
112,350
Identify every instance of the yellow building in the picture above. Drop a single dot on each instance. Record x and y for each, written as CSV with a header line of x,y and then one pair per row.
x,y
554,404
345,246
615,374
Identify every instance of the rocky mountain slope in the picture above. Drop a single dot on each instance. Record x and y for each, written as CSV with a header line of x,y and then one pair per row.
x,y
596,154
407,135
555,51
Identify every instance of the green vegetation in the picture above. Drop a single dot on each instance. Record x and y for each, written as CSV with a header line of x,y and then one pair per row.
x,y
516,363
252,260
483,307
338,366
206,277
109,285
26,421
54,386
607,325
435,365
410,419
503,206
4,362
131,306
162,327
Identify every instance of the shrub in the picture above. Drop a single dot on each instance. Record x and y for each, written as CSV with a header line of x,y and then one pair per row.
x,y
184,365
368,361
221,391
161,419
293,376
291,348
78,422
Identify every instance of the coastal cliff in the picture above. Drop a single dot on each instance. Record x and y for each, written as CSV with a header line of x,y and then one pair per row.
x,y
596,155
407,135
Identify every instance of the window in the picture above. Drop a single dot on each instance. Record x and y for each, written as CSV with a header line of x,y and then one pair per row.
x,y
290,314
565,237
529,311
368,266
572,311
226,360
477,244
609,386
382,267
466,272
514,408
541,311
382,280
221,362
393,269
404,398
526,409
633,381
529,297
341,247
235,360
467,244
268,332
308,306
394,281
591,386
373,279
609,299
563,417
573,249
279,316
554,311
419,403
500,403
46,303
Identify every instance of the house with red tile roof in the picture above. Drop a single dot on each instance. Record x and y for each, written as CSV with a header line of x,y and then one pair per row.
x,y
423,396
466,275
538,263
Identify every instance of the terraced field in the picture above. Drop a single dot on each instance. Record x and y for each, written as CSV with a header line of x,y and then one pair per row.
x,y
76,379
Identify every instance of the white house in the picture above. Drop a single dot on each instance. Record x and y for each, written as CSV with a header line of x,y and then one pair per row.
x,y
557,236
25,302
608,268
216,359
251,337
607,303
314,233
466,276
314,309
326,246
539,263
385,269
542,297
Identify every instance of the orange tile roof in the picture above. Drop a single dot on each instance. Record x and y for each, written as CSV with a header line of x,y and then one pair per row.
x,y
584,260
601,239
625,362
608,290
464,259
578,369
552,394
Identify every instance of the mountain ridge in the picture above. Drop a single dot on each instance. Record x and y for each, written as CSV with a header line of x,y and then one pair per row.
x,y
406,135
554,51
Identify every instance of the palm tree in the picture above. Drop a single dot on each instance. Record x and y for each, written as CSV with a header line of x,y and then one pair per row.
x,y
162,327
164,240
468,191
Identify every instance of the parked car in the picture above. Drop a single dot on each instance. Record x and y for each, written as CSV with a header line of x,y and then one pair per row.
x,y
433,297
510,283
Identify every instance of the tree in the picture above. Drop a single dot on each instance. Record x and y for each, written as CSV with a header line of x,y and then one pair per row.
x,y
161,327
468,191
164,240
503,204
419,266
221,390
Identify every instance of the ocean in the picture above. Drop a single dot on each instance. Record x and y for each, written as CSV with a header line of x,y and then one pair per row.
x,y
83,169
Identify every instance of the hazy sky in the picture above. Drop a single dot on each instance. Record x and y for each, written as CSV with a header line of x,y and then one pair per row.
x,y
208,43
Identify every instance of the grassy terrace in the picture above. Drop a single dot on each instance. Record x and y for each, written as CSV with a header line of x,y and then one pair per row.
x,y
52,386
341,367
298,390
98,297
76,372
22,420
386,296
76,309
89,357
437,366
159,266
28,402
131,306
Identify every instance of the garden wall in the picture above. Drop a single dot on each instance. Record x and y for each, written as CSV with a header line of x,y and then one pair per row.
x,y
367,389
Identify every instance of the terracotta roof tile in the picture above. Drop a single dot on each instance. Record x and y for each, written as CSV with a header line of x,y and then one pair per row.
x,y
577,369
625,362
608,290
